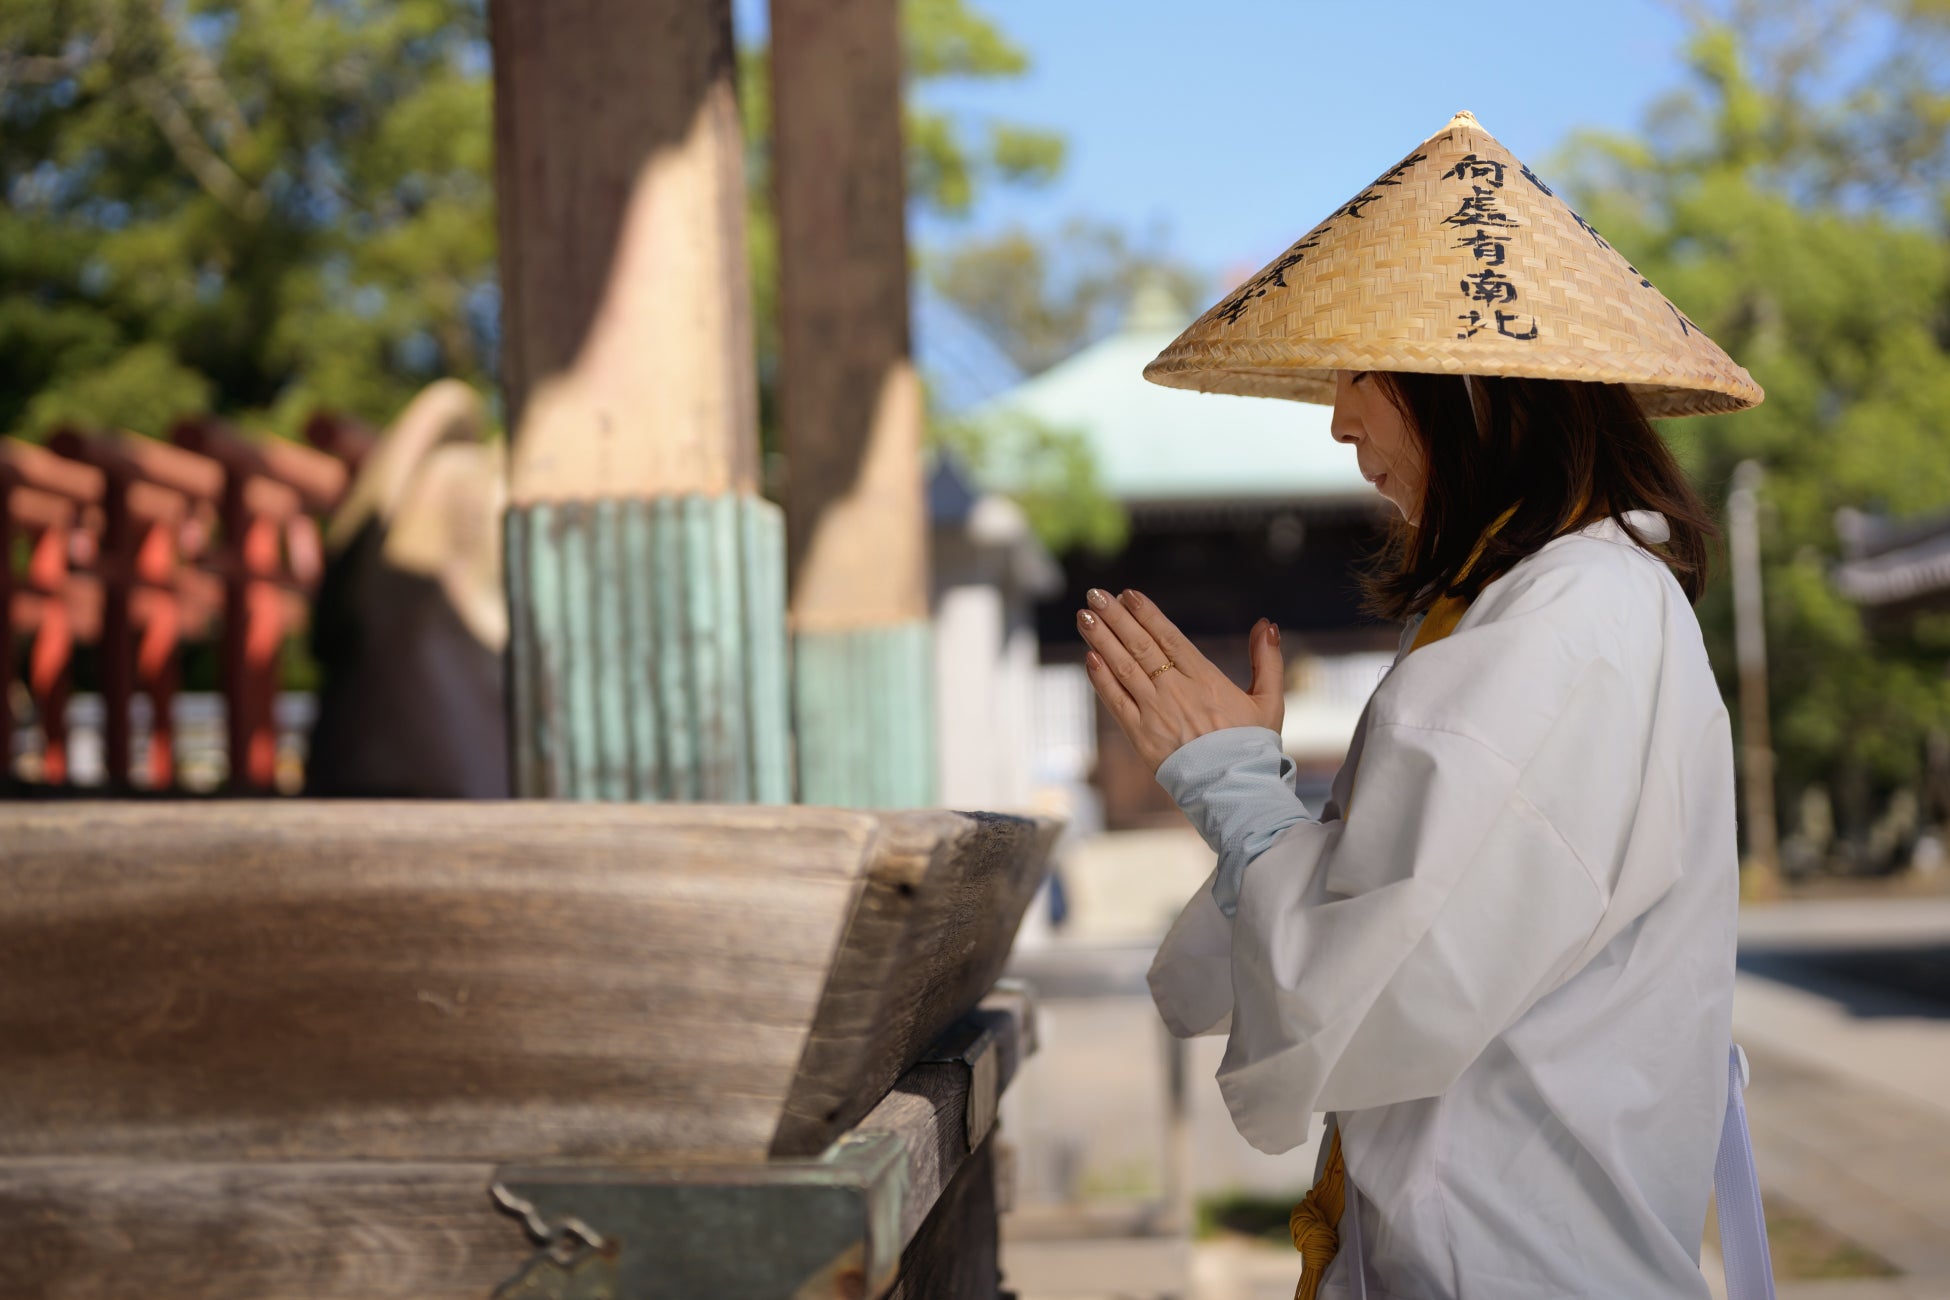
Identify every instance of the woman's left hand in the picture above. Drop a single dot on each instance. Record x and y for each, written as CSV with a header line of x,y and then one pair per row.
x,y
1130,638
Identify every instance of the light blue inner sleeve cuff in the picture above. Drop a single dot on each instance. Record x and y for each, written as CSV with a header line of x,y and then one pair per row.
x,y
1237,787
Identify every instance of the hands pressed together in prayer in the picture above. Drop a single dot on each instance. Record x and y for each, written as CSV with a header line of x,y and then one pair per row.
x,y
1161,708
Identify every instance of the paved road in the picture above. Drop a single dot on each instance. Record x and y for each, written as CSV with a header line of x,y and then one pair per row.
x,y
1844,1008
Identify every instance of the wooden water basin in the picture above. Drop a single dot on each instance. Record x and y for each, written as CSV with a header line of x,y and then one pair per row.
x,y
483,982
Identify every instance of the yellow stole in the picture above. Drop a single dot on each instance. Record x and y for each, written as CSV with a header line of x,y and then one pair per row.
x,y
1315,1221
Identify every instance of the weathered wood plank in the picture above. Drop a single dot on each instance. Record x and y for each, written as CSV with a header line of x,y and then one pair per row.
x,y
485,981
109,1230
516,981
932,930
270,1231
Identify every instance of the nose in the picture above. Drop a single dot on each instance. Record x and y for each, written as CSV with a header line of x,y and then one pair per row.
x,y
1343,426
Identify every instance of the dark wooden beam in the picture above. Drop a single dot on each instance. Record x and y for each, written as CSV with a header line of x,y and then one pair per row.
x,y
626,306
849,403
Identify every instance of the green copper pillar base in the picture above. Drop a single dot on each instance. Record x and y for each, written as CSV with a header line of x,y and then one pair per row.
x,y
863,700
647,650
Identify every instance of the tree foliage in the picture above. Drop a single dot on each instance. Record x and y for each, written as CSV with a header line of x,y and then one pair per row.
x,y
252,206
1797,208
260,206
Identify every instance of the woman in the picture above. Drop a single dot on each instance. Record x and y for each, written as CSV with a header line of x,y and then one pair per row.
x,y
1503,955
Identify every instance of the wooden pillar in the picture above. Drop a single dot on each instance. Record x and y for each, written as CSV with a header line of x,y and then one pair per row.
x,y
851,408
645,573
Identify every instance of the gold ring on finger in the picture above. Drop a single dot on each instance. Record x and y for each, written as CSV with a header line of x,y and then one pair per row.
x,y
1167,664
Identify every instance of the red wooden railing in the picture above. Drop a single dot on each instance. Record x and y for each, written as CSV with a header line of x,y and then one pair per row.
x,y
137,547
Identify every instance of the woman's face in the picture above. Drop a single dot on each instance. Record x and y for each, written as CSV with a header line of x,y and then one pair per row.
x,y
1391,457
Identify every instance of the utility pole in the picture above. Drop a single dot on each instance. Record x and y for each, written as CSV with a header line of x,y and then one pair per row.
x,y
1761,872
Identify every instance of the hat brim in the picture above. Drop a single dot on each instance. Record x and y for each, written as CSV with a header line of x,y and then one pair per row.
x,y
1715,393
1458,260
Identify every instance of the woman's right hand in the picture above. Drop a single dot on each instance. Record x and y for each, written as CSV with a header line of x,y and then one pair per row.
x,y
1131,639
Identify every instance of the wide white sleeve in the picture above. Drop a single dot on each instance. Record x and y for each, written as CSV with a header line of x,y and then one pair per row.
x,y
1373,959
1191,973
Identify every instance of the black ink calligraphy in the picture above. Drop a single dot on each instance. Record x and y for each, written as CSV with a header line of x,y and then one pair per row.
x,y
1480,209
1473,323
1471,168
1273,276
1487,247
1504,319
1393,175
1352,208
1588,229
1489,286
1484,229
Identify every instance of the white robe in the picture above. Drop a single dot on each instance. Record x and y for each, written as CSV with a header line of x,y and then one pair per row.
x,y
1510,970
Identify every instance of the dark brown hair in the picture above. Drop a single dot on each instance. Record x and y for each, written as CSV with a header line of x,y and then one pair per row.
x,y
1542,445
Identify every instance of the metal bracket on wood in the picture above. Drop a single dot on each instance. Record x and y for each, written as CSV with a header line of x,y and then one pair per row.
x,y
834,1225
824,1227
572,1260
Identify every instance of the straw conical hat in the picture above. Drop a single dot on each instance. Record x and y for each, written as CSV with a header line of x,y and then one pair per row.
x,y
1457,260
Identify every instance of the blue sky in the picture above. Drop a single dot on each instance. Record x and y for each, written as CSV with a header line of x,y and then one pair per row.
x,y
1224,129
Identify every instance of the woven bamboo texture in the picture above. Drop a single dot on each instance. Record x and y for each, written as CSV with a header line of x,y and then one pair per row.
x,y
1456,260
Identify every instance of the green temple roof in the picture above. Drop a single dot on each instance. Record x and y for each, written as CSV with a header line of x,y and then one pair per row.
x,y
1156,444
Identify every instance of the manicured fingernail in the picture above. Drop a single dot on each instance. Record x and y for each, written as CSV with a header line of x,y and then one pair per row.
x,y
1131,597
1086,618
1094,659
1097,599
1275,628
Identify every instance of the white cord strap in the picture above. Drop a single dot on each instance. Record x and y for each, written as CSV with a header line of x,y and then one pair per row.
x,y
1736,1188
